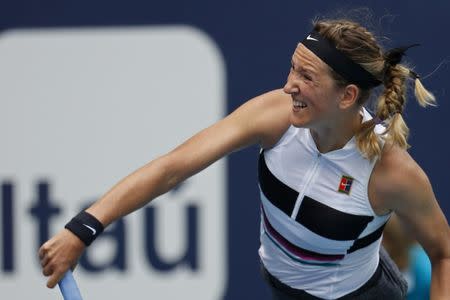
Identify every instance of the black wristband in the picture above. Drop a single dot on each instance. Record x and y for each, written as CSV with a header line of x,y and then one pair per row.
x,y
85,226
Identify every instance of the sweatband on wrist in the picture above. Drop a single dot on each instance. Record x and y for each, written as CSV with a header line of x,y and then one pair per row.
x,y
86,227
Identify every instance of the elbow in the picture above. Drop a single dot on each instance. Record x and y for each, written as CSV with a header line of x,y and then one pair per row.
x,y
441,253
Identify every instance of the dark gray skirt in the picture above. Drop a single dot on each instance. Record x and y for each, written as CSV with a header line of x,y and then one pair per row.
x,y
386,283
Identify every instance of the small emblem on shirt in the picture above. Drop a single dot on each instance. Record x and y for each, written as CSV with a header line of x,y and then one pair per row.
x,y
345,185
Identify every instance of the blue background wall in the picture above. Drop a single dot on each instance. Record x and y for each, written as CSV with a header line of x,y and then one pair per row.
x,y
257,39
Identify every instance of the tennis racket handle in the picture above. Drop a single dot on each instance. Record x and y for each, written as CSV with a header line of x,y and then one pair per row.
x,y
69,288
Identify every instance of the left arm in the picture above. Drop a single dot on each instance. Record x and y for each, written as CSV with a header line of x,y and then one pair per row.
x,y
411,196
423,217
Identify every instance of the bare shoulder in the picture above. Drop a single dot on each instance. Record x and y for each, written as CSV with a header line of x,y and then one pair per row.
x,y
268,115
398,184
397,180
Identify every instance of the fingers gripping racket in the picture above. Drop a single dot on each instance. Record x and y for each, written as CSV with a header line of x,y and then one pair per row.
x,y
69,288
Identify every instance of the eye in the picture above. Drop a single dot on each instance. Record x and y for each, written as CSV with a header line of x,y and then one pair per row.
x,y
307,77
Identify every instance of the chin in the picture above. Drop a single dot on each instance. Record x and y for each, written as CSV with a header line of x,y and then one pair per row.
x,y
299,122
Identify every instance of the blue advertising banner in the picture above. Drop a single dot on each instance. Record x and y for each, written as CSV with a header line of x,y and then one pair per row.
x,y
94,89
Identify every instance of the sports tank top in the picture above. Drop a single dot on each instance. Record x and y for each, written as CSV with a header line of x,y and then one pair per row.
x,y
319,232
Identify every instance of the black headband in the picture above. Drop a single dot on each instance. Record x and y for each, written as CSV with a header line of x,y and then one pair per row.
x,y
339,62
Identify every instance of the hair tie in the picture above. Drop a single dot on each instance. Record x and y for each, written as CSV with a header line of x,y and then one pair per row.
x,y
413,75
377,120
394,56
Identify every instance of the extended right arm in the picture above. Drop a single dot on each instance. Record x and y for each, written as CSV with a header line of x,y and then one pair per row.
x,y
260,120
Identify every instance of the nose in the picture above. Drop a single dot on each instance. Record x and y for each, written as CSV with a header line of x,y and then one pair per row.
x,y
290,87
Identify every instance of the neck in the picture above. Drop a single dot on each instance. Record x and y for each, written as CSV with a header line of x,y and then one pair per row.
x,y
336,134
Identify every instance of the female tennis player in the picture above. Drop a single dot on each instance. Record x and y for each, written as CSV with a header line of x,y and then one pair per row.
x,y
330,174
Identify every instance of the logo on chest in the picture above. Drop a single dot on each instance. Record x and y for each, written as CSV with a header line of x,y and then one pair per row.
x,y
345,185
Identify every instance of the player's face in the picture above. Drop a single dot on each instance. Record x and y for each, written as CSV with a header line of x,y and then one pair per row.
x,y
315,96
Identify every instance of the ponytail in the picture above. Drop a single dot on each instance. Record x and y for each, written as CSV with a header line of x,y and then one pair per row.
x,y
360,45
389,112
424,97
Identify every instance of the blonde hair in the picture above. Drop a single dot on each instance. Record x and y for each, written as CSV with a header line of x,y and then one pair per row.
x,y
360,45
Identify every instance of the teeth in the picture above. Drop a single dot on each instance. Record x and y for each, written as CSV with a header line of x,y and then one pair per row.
x,y
300,104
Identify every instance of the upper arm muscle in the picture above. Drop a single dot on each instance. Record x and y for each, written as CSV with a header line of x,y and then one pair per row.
x,y
402,186
259,120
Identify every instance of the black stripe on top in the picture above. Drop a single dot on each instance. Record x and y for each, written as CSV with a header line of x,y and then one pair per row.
x,y
294,249
329,222
367,240
278,193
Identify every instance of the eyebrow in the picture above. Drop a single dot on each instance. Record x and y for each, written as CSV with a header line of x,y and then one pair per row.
x,y
303,68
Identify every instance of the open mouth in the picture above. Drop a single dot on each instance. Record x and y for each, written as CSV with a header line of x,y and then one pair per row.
x,y
299,104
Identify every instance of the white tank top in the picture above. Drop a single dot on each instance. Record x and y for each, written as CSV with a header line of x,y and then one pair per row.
x,y
319,232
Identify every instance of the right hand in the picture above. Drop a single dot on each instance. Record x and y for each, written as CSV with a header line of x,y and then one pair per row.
x,y
59,254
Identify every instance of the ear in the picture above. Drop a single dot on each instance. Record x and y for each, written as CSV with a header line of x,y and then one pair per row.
x,y
349,97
